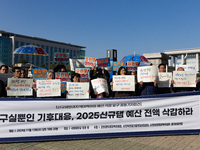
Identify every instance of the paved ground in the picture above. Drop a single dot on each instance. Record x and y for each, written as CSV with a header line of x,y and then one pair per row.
x,y
186,142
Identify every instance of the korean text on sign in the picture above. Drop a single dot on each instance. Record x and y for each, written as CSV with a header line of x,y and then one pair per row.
x,y
124,83
184,78
39,73
100,85
147,73
132,65
187,67
77,90
164,79
63,76
20,87
46,88
64,57
103,62
84,73
118,64
63,87
89,62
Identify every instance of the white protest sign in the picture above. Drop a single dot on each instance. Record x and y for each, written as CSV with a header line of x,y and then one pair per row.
x,y
47,88
184,78
123,83
76,63
164,79
77,90
20,87
187,67
147,73
4,77
100,85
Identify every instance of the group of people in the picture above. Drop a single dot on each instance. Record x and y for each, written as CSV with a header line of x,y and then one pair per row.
x,y
141,88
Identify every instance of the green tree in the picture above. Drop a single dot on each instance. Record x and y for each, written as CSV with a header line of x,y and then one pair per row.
x,y
52,66
22,60
42,66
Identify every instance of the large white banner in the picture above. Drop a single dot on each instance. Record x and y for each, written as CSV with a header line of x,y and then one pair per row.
x,y
20,87
164,79
184,78
147,73
78,117
123,83
77,90
46,88
100,85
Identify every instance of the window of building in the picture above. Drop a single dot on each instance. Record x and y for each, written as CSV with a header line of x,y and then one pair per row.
x,y
55,49
51,54
74,54
78,54
16,44
70,55
22,43
60,50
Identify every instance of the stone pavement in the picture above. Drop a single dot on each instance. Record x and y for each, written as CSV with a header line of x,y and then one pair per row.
x,y
179,142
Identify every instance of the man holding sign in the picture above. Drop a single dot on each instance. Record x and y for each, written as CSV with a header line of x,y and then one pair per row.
x,y
184,81
128,89
164,80
147,80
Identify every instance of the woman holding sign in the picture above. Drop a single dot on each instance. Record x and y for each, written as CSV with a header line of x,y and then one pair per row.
x,y
50,88
121,82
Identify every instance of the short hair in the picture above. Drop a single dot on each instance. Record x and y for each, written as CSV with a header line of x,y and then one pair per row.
x,y
119,70
14,68
4,66
180,68
161,65
75,75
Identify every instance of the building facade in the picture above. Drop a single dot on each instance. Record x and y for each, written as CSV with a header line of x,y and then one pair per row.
x,y
10,41
159,58
184,56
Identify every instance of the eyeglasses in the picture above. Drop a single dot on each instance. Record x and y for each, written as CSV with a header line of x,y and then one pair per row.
x,y
17,71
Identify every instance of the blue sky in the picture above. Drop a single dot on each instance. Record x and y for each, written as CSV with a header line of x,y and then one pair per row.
x,y
143,26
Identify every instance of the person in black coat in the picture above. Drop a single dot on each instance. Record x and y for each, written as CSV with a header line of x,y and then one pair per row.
x,y
58,67
2,89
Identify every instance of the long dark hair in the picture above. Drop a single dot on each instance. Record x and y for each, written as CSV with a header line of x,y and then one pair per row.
x,y
75,75
119,70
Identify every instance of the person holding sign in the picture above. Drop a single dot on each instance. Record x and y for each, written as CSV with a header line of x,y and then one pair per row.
x,y
122,71
162,73
147,80
99,72
99,87
184,81
26,85
58,67
49,88
76,78
17,74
